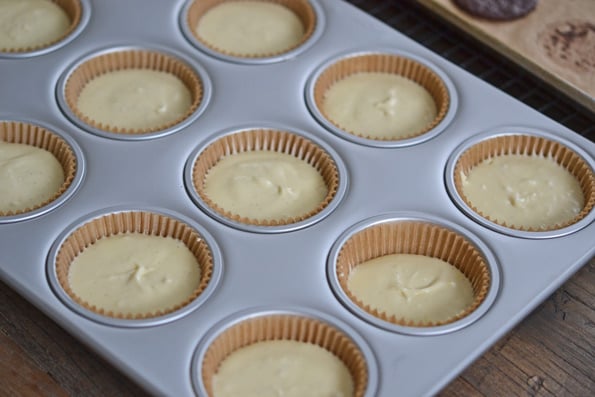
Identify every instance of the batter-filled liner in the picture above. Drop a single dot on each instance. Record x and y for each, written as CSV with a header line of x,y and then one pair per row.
x,y
33,135
140,222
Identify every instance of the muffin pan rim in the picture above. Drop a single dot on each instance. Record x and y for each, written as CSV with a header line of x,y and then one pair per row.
x,y
408,216
67,300
316,34
271,310
395,143
512,130
79,174
85,17
342,187
193,64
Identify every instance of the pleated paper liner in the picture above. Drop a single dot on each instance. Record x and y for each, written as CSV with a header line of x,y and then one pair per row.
x,y
37,136
301,8
127,59
418,238
383,63
285,327
140,222
73,10
266,140
529,145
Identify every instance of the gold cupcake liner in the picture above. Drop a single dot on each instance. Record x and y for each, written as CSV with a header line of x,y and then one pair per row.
x,y
73,9
285,327
417,238
383,63
33,135
141,222
130,59
269,140
529,145
301,8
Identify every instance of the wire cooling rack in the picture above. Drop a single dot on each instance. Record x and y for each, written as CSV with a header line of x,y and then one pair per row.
x,y
451,43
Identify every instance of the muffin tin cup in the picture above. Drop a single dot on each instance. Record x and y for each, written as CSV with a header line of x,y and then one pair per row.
x,y
79,13
61,146
530,141
419,234
111,59
271,138
284,323
112,221
400,63
308,11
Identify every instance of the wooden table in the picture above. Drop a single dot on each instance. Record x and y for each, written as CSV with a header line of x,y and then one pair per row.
x,y
551,353
549,41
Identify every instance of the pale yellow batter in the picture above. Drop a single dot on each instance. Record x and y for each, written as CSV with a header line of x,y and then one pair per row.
x,y
134,273
250,28
265,185
379,105
30,23
28,176
282,368
413,287
529,191
135,99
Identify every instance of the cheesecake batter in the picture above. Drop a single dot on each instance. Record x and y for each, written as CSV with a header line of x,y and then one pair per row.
x,y
524,191
29,176
379,105
30,23
265,185
134,273
282,368
248,28
413,287
135,99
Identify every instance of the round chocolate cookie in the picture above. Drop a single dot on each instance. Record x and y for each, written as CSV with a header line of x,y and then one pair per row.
x,y
497,9
571,45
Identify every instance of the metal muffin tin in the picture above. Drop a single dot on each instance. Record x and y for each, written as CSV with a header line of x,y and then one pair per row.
x,y
287,269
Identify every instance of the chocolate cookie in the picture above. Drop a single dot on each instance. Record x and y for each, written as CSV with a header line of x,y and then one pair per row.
x,y
570,44
497,9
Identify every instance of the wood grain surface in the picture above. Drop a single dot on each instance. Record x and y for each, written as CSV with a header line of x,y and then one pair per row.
x,y
556,41
551,353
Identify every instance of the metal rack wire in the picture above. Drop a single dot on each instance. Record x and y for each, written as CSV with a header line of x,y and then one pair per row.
x,y
451,43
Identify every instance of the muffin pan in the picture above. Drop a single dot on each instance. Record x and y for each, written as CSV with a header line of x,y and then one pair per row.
x,y
288,271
